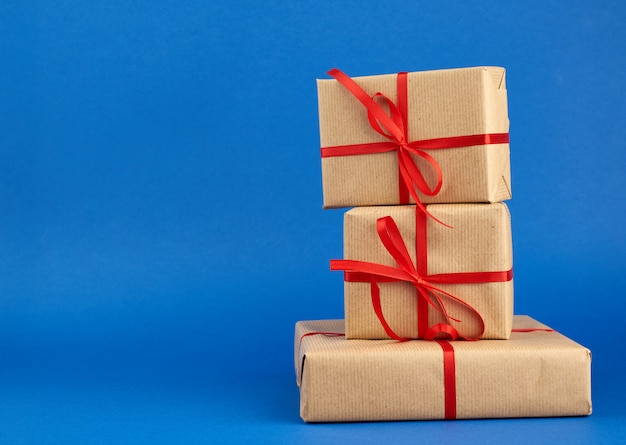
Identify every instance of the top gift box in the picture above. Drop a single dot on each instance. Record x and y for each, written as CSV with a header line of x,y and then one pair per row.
x,y
423,137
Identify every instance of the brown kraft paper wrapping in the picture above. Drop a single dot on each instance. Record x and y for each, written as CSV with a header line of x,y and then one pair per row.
x,y
534,374
441,104
478,241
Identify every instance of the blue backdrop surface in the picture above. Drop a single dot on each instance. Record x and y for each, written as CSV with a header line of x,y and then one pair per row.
x,y
161,228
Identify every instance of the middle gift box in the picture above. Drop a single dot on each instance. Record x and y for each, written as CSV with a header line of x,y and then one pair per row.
x,y
412,275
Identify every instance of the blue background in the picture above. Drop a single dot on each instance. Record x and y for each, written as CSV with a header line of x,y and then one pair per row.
x,y
161,228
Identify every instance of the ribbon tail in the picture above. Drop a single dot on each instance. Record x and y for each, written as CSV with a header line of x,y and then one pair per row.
x,y
408,181
378,309
438,293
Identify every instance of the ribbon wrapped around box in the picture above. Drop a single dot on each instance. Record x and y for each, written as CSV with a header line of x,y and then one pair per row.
x,y
432,137
536,373
406,274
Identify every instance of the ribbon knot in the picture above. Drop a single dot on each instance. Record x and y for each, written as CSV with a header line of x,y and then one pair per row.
x,y
419,281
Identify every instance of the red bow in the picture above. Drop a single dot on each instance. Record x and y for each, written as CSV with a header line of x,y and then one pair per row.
x,y
389,234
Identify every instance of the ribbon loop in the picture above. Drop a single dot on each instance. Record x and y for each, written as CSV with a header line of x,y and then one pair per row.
x,y
391,238
395,134
414,175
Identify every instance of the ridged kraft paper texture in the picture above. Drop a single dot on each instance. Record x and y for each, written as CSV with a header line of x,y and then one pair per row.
x,y
534,374
441,103
478,241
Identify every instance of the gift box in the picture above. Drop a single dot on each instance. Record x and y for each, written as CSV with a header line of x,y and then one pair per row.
x,y
455,270
438,136
537,373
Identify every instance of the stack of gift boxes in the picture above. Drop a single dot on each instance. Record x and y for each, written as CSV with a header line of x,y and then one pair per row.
x,y
423,161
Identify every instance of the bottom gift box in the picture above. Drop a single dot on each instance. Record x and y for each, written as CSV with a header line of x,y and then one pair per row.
x,y
536,373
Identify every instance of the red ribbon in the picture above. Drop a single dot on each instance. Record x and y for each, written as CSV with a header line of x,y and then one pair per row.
x,y
449,380
373,273
394,126
327,334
